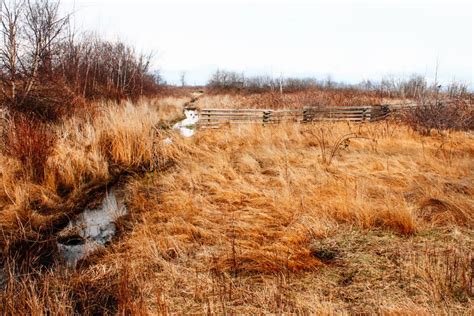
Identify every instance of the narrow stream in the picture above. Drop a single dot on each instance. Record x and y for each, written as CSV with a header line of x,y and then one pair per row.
x,y
94,228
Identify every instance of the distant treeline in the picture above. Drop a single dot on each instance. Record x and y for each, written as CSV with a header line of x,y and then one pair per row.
x,y
47,69
414,87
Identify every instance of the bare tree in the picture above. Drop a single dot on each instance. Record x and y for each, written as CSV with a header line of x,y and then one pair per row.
x,y
47,68
94,67
43,27
30,33
10,15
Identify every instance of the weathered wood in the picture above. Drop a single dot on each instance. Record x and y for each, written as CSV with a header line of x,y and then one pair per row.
x,y
223,119
267,116
217,117
233,115
233,110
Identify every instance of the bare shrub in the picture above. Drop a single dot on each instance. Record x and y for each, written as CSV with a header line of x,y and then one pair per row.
x,y
328,150
31,142
49,72
50,102
230,81
31,31
227,81
95,68
415,87
439,116
268,92
457,89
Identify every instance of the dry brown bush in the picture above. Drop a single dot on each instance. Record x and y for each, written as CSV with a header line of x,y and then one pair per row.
x,y
49,73
50,103
441,116
31,142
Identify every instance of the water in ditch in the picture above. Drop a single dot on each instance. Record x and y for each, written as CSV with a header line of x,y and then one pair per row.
x,y
187,127
91,230
95,227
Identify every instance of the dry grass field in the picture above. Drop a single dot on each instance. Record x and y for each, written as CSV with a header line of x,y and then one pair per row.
x,y
324,218
293,100
116,200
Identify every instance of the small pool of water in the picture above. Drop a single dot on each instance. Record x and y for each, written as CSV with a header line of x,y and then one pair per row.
x,y
187,126
91,230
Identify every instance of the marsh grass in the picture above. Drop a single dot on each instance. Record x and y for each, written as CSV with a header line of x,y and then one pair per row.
x,y
248,219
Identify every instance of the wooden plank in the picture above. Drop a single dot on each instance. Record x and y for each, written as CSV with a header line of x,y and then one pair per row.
x,y
340,111
233,110
244,119
237,122
232,116
337,119
360,108
250,110
287,112
273,121
217,117
222,118
286,118
340,116
235,118
236,112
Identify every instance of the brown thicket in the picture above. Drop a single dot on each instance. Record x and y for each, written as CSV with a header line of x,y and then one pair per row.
x,y
98,69
29,141
415,87
48,71
441,116
294,100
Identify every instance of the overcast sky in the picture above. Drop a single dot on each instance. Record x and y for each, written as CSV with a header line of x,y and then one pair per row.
x,y
351,41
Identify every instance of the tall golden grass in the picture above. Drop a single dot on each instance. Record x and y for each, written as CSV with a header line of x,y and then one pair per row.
x,y
89,154
249,219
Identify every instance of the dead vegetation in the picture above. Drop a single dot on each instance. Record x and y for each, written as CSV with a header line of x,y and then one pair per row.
x,y
30,142
326,218
294,100
45,184
436,116
48,71
299,218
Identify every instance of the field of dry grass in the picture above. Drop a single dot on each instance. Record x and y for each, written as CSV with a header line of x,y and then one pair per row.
x,y
294,100
326,218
